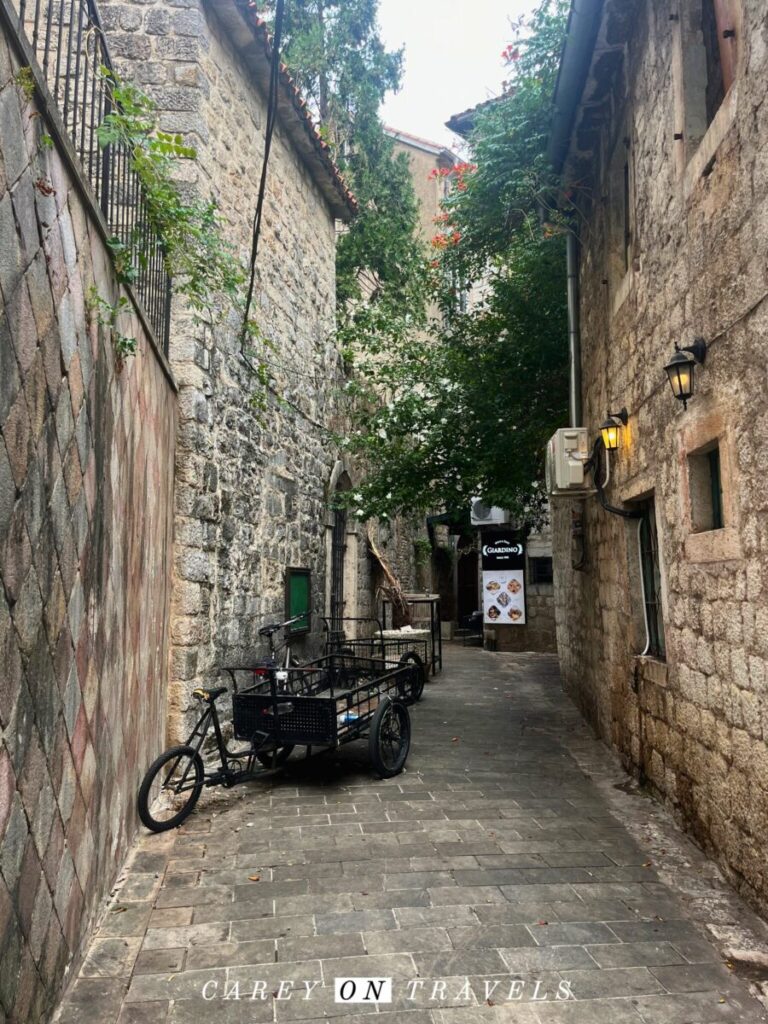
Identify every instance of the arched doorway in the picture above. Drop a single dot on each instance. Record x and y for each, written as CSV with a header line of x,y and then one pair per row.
x,y
338,551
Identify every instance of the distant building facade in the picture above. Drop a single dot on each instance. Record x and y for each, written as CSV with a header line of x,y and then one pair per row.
x,y
661,133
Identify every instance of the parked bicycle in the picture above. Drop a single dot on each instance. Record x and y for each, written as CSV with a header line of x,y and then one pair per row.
x,y
280,657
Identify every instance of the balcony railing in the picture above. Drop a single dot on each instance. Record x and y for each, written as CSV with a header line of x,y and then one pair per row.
x,y
72,52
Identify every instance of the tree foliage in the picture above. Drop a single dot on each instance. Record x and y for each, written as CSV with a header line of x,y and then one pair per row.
x,y
334,51
470,411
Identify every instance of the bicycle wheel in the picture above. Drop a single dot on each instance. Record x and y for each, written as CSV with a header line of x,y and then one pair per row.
x,y
171,788
390,738
419,673
278,756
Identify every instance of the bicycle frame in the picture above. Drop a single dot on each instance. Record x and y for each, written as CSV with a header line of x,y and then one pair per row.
x,y
225,775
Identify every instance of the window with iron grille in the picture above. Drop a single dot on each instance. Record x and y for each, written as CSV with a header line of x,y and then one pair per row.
x,y
338,550
651,581
540,570
72,55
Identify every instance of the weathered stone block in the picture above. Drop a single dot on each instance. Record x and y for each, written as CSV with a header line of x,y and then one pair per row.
x,y
15,156
157,22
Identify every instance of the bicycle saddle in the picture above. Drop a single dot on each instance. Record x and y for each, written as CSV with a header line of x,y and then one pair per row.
x,y
209,695
270,629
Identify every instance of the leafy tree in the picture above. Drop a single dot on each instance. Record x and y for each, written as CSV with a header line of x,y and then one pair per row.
x,y
470,412
334,51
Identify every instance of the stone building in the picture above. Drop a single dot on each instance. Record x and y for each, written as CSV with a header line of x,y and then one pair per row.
x,y
424,158
252,488
661,132
148,512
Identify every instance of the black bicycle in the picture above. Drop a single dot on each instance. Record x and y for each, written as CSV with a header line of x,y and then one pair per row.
x,y
329,702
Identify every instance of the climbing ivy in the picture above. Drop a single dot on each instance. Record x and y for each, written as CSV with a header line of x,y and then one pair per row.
x,y
107,315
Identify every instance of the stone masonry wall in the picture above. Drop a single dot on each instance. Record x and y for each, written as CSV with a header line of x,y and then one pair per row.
x,y
86,476
251,488
695,726
538,633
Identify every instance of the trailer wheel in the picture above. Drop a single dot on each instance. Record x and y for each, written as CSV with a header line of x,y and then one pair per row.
x,y
390,738
419,673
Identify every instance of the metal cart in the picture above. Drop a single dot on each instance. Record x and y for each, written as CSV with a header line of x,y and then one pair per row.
x,y
329,702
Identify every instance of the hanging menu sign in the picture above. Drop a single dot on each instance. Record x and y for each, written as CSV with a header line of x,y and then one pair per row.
x,y
503,565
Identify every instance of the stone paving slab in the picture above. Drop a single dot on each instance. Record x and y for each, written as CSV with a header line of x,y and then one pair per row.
x,y
494,881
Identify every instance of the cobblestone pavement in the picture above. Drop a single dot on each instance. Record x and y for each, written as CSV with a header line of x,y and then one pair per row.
x,y
495,858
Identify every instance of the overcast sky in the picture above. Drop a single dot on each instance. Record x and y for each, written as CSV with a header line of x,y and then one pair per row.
x,y
452,58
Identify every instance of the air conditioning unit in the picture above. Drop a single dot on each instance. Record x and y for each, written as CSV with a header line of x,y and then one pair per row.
x,y
566,457
481,514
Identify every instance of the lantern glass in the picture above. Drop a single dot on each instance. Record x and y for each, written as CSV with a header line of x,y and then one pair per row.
x,y
611,434
680,373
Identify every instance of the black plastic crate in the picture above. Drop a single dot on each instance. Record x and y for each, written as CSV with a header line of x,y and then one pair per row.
x,y
310,720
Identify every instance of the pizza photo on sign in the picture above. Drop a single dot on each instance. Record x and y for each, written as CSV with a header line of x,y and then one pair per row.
x,y
494,585
515,614
514,586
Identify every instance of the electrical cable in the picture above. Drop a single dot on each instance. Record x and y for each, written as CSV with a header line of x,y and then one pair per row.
x,y
593,464
274,81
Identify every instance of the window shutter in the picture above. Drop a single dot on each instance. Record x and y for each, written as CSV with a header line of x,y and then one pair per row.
x,y
726,40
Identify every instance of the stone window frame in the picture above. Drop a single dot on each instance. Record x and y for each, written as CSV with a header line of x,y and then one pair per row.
x,y
705,488
621,228
703,428
643,490
696,150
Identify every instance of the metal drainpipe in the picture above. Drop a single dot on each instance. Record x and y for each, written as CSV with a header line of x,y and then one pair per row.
x,y
574,330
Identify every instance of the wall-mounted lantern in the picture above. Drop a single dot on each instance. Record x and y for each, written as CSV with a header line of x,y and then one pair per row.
x,y
610,431
681,366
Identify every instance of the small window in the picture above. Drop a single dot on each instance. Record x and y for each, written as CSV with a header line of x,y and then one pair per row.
x,y
706,489
540,570
621,211
651,581
715,88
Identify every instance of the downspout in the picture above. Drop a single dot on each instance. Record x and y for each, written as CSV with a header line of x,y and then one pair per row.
x,y
574,330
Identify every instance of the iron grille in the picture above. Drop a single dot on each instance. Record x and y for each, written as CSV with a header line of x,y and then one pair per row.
x,y
338,549
69,43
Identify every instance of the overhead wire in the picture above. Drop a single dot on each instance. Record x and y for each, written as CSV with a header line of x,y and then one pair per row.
x,y
274,81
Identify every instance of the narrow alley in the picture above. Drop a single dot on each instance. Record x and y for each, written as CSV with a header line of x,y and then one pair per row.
x,y
507,867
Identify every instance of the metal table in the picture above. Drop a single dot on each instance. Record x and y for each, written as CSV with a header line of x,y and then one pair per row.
x,y
425,612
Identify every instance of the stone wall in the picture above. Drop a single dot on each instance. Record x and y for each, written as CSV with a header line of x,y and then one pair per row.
x,y
694,725
252,487
86,476
538,633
